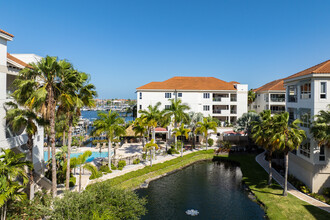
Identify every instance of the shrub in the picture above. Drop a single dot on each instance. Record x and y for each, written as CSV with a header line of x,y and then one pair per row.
x,y
111,203
136,161
326,192
144,156
93,169
210,142
113,167
121,164
172,150
72,181
105,169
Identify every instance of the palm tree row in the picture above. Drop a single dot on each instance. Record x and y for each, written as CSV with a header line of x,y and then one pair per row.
x,y
50,87
278,133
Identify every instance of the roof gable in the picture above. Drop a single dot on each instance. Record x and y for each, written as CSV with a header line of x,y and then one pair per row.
x,y
276,85
319,69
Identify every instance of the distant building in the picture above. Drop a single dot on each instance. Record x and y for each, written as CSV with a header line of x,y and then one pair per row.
x,y
225,101
270,96
307,94
10,65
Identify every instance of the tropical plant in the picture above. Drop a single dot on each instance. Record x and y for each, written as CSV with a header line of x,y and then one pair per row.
x,y
194,118
321,128
182,132
176,111
245,122
81,159
286,137
251,96
151,146
95,173
262,134
39,88
151,117
140,128
112,125
204,127
19,118
11,169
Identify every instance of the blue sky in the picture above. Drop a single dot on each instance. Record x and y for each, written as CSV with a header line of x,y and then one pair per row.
x,y
124,44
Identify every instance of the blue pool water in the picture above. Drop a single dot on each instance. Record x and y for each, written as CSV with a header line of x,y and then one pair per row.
x,y
89,159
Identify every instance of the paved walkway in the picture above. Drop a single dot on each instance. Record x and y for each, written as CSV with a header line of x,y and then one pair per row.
x,y
291,189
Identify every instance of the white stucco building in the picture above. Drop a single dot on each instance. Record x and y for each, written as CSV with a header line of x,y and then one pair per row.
x,y
307,94
270,96
225,101
9,67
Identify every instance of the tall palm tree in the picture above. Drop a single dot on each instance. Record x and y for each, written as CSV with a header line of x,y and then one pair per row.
x,y
204,127
181,131
152,116
140,128
70,103
26,118
251,96
112,125
46,79
286,137
177,112
151,146
12,167
321,128
262,133
194,118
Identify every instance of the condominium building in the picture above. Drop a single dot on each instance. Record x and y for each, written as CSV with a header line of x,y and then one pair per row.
x,y
9,68
270,96
225,101
307,94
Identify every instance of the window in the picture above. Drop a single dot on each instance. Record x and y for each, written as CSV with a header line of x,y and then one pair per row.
x,y
266,98
322,154
168,95
206,95
277,97
140,95
292,93
206,108
305,148
167,106
292,114
323,92
140,107
305,116
305,91
180,94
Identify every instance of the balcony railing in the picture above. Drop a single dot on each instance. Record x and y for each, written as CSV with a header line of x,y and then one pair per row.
x,y
220,111
233,111
221,99
277,99
292,98
277,111
233,99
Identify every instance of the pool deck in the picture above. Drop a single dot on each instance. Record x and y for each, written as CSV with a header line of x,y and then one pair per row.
x,y
260,158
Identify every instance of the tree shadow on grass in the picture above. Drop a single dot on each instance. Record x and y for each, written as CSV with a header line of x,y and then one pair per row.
x,y
317,212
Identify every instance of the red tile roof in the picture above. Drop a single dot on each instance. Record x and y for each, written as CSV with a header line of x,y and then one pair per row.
x,y
276,85
190,83
319,68
12,58
160,129
4,32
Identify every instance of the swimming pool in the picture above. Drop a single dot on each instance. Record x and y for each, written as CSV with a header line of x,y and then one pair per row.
x,y
89,159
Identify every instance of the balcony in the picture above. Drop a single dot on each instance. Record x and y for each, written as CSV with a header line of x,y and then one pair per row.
x,y
221,99
292,98
277,99
221,111
233,99
233,111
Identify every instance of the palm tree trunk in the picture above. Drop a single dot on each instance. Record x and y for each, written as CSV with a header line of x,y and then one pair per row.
x,y
31,180
80,177
154,134
175,137
52,103
286,162
4,211
151,158
206,141
270,168
68,168
109,153
63,138
181,147
48,145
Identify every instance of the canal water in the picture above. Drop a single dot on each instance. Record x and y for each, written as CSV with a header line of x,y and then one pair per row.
x,y
92,115
214,189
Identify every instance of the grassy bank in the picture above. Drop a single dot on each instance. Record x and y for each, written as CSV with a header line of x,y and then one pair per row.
x,y
277,206
134,179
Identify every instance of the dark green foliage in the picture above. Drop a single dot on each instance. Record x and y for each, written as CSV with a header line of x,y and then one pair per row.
x,y
72,182
144,156
105,169
326,192
136,161
172,150
99,200
210,142
113,167
121,164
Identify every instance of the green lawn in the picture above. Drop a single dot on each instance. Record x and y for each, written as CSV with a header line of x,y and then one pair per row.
x,y
276,206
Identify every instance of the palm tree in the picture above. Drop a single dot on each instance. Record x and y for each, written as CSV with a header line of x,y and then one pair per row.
x,y
152,116
12,167
71,102
46,79
204,127
251,96
80,161
150,147
262,133
181,131
177,111
286,137
140,128
194,118
321,128
111,124
26,118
